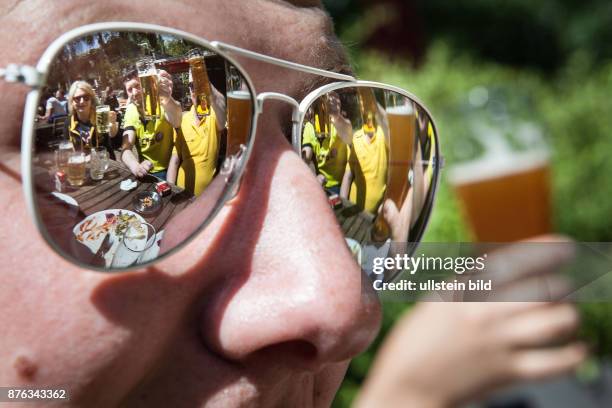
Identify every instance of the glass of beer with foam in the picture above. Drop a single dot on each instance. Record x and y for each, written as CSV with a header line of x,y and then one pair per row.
x,y
504,188
239,110
102,119
76,169
147,74
401,120
201,83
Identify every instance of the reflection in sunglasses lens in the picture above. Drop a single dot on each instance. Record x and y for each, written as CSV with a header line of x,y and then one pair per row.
x,y
374,152
131,176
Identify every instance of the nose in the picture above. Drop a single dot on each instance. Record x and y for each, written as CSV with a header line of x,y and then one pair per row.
x,y
292,290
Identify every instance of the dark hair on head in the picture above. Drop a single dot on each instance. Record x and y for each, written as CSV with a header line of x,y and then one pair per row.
x,y
129,74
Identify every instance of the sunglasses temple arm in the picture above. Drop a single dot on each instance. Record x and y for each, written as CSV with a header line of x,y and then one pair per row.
x,y
22,73
280,62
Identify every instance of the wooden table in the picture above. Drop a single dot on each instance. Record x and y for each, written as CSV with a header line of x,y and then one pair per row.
x,y
105,194
355,223
59,218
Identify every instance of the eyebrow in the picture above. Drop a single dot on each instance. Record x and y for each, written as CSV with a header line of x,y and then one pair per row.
x,y
334,59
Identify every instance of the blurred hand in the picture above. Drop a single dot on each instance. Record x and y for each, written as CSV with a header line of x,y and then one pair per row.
x,y
141,169
164,84
446,354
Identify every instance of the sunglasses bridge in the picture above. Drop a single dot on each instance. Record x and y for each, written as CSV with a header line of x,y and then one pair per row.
x,y
296,116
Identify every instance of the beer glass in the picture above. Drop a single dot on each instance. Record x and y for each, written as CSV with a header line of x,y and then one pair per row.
x,y
102,119
76,169
98,163
401,120
147,74
504,184
138,238
321,118
239,110
63,152
201,84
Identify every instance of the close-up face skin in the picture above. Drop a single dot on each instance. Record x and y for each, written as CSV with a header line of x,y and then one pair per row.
x,y
265,307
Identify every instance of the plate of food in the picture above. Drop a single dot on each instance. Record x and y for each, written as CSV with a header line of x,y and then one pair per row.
x,y
110,227
147,202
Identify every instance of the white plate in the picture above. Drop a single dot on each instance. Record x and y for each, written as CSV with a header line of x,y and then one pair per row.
x,y
92,230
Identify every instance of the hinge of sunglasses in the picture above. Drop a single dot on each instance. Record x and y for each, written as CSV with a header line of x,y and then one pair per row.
x,y
22,73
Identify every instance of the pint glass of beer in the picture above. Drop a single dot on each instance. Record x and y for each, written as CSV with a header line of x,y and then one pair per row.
x,y
147,73
401,120
102,119
76,169
239,110
321,117
63,153
504,192
201,83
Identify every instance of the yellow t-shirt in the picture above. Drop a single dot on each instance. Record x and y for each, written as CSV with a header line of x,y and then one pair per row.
x,y
154,138
368,161
197,147
330,154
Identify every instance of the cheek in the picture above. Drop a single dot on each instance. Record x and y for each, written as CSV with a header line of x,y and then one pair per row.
x,y
39,294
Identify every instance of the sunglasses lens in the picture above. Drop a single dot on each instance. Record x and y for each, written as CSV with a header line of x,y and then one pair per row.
x,y
99,168
375,154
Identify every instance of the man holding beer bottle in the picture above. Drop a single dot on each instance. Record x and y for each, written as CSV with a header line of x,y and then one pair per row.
x,y
153,138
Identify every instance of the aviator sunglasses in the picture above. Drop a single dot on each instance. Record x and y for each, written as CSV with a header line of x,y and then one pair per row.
x,y
373,147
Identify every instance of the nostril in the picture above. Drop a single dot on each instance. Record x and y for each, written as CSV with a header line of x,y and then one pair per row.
x,y
298,352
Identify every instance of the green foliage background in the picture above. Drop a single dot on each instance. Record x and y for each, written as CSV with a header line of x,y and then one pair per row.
x,y
571,104
574,110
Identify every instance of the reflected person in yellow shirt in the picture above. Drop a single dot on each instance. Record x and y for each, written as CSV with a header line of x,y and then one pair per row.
x,y
324,142
196,146
365,178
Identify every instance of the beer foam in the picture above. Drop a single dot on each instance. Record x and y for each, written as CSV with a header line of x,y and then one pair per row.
x,y
76,159
239,95
400,110
496,166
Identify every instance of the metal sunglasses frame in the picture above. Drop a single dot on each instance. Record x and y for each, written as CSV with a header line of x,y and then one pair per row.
x,y
36,77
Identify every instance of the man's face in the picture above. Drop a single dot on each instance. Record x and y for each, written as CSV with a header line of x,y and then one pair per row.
x,y
265,307
133,89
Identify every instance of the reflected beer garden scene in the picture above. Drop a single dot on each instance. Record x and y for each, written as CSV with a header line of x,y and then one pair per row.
x,y
370,147
93,209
